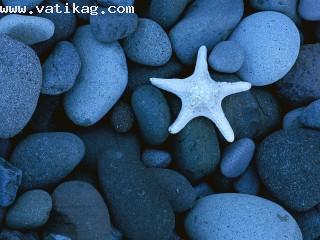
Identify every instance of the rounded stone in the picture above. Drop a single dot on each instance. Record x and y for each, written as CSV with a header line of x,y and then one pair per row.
x,y
236,157
46,158
149,44
309,10
31,210
79,212
202,190
287,162
291,119
309,223
301,85
206,22
29,4
156,158
20,80
61,69
139,208
103,65
119,25
122,117
235,216
27,29
152,113
248,182
309,116
167,12
267,61
227,57
180,192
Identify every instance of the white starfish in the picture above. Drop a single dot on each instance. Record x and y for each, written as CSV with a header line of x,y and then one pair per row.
x,y
201,96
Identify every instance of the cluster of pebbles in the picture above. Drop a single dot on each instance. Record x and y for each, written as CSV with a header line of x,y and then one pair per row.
x,y
85,151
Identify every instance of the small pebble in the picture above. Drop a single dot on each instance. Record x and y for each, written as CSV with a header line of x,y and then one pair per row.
x,y
266,61
30,4
180,192
167,12
10,180
248,182
227,57
206,22
46,158
119,25
309,9
31,210
291,119
27,29
122,117
152,113
310,115
237,157
202,190
229,215
153,158
149,44
61,69
103,65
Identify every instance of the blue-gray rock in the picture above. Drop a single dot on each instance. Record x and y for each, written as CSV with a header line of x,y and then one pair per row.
x,y
110,27
202,190
287,162
10,180
102,79
138,206
152,113
5,148
46,158
65,25
167,12
227,57
27,29
310,115
180,192
248,182
52,236
309,223
196,149
239,216
267,61
30,4
288,8
149,44
61,69
302,84
21,77
79,212
122,117
156,158
206,22
87,4
251,114
31,210
309,10
7,234
236,157
291,119
140,75
107,3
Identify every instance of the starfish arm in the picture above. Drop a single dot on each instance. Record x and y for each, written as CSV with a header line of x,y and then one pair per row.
x,y
222,124
175,86
201,64
184,117
234,87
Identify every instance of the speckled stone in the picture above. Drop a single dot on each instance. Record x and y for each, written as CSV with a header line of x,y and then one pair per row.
x,y
228,216
309,116
46,158
156,158
122,117
31,210
149,44
309,10
291,119
284,159
21,77
309,223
